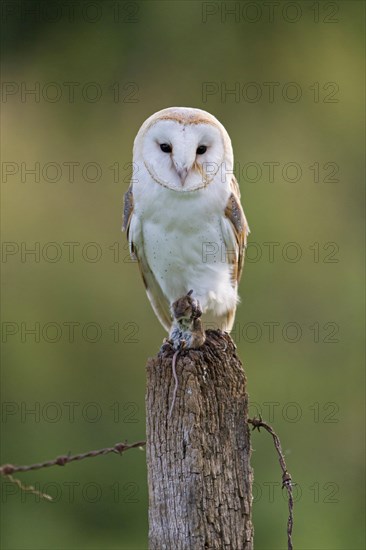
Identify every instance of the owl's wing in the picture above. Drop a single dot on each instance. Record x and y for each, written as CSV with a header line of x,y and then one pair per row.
x,y
235,231
127,217
132,225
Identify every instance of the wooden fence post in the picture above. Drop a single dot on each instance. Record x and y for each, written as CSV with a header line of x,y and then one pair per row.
x,y
198,459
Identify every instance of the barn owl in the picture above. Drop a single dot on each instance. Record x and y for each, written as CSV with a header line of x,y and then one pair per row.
x,y
184,221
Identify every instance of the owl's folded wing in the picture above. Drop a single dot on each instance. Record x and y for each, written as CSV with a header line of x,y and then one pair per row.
x,y
235,231
132,225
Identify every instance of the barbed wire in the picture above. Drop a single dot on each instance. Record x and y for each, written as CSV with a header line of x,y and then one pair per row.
x,y
6,470
258,423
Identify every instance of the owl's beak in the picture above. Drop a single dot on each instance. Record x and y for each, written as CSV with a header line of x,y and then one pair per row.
x,y
182,172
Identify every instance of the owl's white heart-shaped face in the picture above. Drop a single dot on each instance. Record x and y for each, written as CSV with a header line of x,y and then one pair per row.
x,y
184,154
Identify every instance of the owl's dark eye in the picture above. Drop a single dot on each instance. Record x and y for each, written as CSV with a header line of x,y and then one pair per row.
x,y
201,149
166,148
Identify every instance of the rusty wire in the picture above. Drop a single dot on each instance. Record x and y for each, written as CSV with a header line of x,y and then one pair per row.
x,y
6,470
287,484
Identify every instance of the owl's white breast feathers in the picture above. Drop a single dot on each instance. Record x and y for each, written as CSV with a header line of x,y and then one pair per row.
x,y
184,239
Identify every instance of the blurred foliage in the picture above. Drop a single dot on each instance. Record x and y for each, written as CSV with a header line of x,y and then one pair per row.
x,y
162,54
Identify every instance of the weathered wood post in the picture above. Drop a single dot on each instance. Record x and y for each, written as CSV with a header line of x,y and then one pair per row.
x,y
198,460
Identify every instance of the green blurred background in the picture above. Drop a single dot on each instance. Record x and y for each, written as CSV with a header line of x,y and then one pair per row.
x,y
306,378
